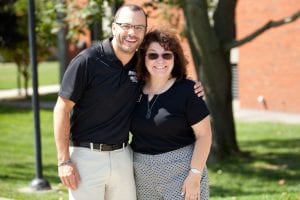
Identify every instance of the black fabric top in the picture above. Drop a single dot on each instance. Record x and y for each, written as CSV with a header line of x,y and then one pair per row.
x,y
169,126
105,93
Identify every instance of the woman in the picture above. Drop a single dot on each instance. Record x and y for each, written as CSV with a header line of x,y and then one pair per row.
x,y
171,126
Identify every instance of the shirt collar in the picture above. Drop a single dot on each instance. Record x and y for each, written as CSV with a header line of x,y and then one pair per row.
x,y
109,52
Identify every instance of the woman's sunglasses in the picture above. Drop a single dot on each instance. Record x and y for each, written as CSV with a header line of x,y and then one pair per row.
x,y
154,56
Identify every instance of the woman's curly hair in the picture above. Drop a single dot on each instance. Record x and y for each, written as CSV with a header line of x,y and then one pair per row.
x,y
169,41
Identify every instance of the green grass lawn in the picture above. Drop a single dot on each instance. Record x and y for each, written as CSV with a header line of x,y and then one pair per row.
x,y
48,73
17,168
272,172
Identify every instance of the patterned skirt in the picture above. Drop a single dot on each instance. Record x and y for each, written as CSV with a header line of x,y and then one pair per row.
x,y
161,176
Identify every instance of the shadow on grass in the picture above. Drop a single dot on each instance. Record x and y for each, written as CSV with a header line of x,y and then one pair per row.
x,y
279,152
25,104
11,109
279,162
26,172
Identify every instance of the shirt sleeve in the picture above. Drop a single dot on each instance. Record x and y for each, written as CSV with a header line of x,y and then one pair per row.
x,y
75,79
196,109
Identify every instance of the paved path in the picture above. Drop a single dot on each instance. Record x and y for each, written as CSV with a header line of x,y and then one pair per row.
x,y
264,115
239,114
14,93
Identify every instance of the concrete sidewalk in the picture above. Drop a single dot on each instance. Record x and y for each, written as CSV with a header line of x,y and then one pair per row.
x,y
263,115
14,93
239,114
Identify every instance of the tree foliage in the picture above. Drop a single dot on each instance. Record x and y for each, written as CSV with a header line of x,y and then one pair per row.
x,y
14,37
14,28
77,17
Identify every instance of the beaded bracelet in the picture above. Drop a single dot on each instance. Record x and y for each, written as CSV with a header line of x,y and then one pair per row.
x,y
66,162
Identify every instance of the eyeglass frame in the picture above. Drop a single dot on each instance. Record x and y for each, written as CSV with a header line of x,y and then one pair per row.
x,y
131,26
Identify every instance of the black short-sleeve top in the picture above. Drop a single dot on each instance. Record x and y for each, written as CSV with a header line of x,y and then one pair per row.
x,y
169,125
105,93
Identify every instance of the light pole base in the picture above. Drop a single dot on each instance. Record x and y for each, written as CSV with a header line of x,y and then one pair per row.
x,y
40,184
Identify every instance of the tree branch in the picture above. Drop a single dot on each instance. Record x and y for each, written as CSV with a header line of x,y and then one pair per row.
x,y
270,24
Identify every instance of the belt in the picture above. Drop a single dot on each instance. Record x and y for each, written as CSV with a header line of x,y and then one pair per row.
x,y
98,146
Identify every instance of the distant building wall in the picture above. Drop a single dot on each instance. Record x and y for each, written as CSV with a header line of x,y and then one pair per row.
x,y
269,66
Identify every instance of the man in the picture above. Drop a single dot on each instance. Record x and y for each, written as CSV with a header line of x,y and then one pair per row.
x,y
93,111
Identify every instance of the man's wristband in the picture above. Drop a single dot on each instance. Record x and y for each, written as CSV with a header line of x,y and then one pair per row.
x,y
66,162
195,171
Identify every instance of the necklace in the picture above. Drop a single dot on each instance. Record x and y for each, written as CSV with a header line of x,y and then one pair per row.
x,y
149,108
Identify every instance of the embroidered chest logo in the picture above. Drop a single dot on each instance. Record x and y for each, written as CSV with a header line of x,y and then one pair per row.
x,y
132,76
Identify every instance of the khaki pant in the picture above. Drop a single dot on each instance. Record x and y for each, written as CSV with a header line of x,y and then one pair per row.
x,y
106,175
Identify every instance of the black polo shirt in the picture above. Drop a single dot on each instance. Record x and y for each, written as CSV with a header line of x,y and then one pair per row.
x,y
169,126
105,93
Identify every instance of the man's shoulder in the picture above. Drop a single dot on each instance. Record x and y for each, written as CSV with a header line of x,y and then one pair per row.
x,y
100,50
87,55
93,51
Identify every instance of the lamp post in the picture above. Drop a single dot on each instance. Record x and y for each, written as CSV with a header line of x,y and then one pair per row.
x,y
39,183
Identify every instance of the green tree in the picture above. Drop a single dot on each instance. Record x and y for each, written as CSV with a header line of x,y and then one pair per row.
x,y
14,36
73,18
14,40
51,17
77,17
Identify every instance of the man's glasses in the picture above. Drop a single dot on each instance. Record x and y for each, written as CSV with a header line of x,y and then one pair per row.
x,y
127,27
154,56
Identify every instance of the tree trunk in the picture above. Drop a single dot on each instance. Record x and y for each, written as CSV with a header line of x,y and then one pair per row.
x,y
26,79
195,56
19,85
216,77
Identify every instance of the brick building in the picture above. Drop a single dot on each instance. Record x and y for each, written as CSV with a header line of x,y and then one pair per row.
x,y
269,66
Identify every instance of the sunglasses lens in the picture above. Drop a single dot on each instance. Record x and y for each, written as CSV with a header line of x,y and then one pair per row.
x,y
152,56
167,56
